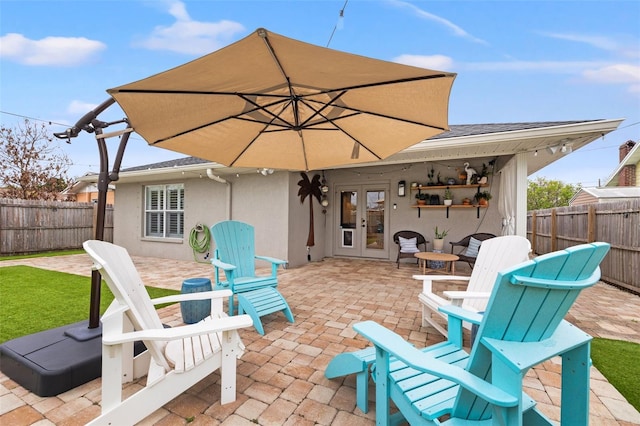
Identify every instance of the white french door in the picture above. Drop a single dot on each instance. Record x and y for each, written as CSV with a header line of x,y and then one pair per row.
x,y
361,220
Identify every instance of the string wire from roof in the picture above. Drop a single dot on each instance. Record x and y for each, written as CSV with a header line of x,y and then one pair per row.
x,y
339,23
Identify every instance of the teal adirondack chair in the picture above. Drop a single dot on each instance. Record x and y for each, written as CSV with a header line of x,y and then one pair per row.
x,y
235,255
522,326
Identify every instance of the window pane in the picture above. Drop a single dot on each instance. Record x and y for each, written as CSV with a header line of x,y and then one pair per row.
x,y
155,224
175,226
164,211
155,198
174,199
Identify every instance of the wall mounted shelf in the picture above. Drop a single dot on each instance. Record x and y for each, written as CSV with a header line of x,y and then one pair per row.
x,y
429,188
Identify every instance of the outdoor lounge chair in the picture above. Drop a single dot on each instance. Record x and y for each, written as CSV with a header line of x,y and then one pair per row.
x,y
407,246
235,255
523,326
495,255
466,254
175,359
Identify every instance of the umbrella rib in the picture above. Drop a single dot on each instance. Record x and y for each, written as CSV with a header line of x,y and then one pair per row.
x,y
284,100
293,96
383,83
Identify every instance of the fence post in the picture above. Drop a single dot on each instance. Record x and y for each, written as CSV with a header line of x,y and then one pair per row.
x,y
554,230
94,220
591,223
534,229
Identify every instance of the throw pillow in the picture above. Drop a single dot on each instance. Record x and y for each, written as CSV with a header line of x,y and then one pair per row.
x,y
474,247
408,245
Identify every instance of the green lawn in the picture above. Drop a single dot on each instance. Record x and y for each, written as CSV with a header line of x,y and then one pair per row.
x,y
619,362
33,300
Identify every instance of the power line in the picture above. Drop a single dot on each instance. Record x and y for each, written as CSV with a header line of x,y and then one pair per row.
x,y
34,119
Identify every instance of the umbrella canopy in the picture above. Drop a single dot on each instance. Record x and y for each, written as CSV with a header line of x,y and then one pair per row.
x,y
271,101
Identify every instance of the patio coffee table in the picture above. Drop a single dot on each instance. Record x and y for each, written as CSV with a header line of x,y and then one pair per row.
x,y
425,256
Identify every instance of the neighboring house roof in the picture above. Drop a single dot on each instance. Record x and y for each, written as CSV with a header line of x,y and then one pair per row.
x,y
83,186
632,158
461,141
619,193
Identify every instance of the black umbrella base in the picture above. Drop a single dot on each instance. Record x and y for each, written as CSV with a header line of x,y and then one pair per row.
x,y
54,361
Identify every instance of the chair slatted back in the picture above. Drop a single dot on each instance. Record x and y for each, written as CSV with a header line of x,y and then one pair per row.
x,y
527,304
495,255
120,274
235,244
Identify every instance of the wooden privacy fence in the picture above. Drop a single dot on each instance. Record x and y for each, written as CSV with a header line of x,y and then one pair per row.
x,y
615,223
28,226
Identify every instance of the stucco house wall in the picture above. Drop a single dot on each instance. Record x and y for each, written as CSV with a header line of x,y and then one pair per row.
x,y
269,203
404,216
202,196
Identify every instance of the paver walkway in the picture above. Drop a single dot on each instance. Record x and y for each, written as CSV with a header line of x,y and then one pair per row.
x,y
281,375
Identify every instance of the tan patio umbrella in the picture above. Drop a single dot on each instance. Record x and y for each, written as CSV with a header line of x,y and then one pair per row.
x,y
271,101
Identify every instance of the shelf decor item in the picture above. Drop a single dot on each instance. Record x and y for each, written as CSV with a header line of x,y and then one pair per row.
x,y
483,198
448,197
422,198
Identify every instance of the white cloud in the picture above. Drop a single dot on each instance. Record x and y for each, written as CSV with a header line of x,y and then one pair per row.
x,y
80,107
189,36
616,74
49,51
600,42
434,62
628,48
455,29
599,72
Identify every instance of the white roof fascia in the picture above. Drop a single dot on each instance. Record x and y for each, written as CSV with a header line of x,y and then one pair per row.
x,y
157,171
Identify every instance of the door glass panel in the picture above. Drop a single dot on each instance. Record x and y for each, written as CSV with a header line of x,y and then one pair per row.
x,y
348,218
348,209
375,220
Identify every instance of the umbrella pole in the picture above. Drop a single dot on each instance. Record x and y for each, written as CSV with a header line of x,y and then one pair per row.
x,y
104,179
90,124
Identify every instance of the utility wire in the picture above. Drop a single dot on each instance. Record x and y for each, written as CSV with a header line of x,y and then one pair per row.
x,y
339,23
34,119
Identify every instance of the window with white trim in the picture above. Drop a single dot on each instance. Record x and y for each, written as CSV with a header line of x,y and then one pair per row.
x,y
164,211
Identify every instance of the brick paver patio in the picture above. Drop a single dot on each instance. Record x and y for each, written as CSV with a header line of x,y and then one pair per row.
x,y
281,375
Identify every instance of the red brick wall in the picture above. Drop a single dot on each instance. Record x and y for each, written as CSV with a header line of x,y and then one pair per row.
x,y
627,176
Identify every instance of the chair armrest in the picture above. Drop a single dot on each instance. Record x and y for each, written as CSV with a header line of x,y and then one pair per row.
x,y
224,266
427,280
175,333
272,260
396,346
442,277
458,296
461,314
201,295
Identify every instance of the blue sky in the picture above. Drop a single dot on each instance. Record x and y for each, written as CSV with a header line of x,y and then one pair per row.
x,y
516,60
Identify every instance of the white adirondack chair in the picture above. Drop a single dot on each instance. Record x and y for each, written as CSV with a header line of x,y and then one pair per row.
x,y
175,359
495,255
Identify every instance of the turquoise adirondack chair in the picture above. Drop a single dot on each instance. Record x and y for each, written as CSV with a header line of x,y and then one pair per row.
x,y
235,255
522,326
